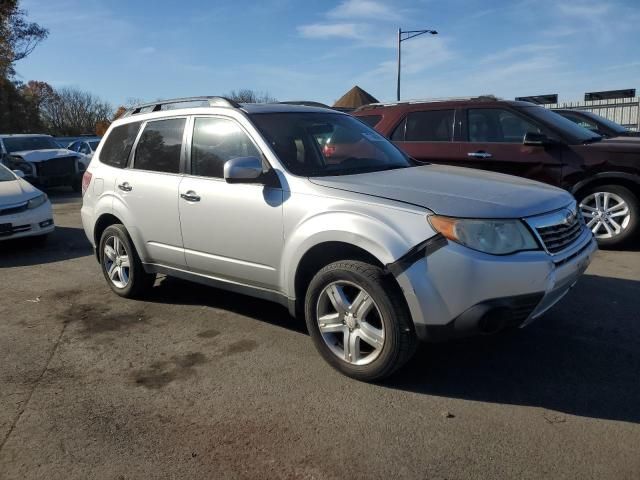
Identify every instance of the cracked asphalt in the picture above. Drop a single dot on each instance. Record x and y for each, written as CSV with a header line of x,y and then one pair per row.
x,y
194,382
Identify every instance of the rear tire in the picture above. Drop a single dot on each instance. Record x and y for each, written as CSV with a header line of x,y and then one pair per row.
x,y
612,212
367,332
121,264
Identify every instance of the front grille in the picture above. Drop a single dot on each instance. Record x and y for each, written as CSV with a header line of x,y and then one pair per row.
x,y
15,229
57,167
13,209
558,230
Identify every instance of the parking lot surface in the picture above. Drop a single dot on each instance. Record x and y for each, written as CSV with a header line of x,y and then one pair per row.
x,y
194,382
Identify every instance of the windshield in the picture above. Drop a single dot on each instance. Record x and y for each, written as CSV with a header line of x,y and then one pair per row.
x,y
559,123
616,127
17,144
6,175
321,144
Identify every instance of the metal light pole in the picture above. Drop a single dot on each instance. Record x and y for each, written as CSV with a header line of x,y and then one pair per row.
x,y
409,34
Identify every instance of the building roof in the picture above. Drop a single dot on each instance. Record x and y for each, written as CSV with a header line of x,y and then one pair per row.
x,y
354,98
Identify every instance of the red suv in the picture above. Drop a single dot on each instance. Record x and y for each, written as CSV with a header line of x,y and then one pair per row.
x,y
519,138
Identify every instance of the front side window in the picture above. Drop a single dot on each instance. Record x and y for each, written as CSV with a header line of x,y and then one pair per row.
x,y
118,144
84,148
371,120
321,144
429,126
495,125
216,140
160,145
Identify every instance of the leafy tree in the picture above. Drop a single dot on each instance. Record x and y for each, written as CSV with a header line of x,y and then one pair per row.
x,y
70,111
18,36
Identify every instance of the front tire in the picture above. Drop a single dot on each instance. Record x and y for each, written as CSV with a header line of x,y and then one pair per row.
x,y
358,320
612,213
121,264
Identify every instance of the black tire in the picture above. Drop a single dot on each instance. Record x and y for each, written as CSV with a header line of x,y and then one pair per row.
x,y
632,230
139,281
400,340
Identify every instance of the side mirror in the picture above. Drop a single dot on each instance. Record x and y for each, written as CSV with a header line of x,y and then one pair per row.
x,y
243,170
19,173
536,139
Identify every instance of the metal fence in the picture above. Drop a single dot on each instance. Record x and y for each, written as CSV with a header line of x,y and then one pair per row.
x,y
625,111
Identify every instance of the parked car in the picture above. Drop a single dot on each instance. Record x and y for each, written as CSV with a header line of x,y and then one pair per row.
x,y
596,123
375,252
85,147
24,210
523,139
42,160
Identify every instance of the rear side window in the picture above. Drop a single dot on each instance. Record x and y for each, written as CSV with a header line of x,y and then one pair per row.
x,y
371,120
160,145
498,126
117,146
429,126
216,140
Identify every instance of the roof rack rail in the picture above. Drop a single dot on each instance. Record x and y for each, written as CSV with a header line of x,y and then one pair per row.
x,y
429,100
211,101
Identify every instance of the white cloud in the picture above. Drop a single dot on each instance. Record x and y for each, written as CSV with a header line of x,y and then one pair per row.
x,y
364,9
329,30
146,50
527,50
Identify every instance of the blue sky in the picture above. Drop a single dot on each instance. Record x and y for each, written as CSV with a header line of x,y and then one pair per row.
x,y
317,50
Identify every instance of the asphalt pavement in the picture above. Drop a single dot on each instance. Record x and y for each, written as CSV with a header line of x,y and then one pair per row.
x,y
195,382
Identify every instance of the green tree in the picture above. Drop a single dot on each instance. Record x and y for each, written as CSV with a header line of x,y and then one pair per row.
x,y
18,36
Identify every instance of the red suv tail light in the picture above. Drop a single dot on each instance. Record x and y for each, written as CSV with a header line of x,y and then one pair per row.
x,y
86,180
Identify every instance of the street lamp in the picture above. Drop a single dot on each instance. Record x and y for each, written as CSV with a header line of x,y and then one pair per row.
x,y
408,34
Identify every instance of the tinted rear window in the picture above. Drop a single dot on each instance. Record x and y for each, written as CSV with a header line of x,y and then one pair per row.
x,y
117,146
159,147
371,120
430,126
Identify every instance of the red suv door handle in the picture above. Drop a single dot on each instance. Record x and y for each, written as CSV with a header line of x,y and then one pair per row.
x,y
479,154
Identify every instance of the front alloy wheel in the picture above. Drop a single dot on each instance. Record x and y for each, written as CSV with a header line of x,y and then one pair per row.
x,y
350,323
611,212
606,214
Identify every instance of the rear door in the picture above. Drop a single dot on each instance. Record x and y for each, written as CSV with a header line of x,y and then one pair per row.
x,y
494,139
232,231
149,190
428,136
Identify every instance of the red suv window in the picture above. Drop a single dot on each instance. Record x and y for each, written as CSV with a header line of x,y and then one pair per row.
x,y
429,126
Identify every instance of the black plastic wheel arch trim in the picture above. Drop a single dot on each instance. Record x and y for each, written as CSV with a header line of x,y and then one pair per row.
x,y
423,249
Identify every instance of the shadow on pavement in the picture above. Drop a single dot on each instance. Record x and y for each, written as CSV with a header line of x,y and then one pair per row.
x,y
63,243
582,358
176,291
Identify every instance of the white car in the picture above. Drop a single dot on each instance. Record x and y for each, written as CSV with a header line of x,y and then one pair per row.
x,y
42,160
24,210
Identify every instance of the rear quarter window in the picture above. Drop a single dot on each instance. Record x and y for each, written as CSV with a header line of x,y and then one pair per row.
x,y
117,146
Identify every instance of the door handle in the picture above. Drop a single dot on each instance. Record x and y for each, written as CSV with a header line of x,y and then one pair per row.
x,y
125,187
479,155
190,196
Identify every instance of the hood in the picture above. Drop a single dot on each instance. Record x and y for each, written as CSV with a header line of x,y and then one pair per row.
x,y
36,156
16,191
456,192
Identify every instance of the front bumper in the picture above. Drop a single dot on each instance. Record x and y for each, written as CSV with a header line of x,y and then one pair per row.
x,y
38,221
456,291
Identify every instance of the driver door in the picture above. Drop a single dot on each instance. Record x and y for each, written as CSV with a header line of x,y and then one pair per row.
x,y
494,142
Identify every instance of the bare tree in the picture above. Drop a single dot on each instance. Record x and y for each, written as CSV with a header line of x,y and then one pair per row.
x,y
245,95
70,111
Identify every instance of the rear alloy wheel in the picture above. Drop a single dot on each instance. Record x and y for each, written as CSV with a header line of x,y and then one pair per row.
x,y
121,265
611,212
358,320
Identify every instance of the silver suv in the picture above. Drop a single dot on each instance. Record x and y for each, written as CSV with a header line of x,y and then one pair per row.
x,y
313,209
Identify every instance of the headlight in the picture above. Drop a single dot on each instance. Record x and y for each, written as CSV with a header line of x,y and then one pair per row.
x,y
37,201
497,237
